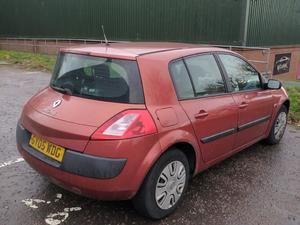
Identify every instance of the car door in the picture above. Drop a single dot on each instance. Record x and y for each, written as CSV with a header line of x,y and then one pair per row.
x,y
255,104
211,109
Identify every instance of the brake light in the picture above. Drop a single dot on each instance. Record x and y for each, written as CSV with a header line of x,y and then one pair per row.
x,y
127,124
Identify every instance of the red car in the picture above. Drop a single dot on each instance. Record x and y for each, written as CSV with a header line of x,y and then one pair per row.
x,y
138,120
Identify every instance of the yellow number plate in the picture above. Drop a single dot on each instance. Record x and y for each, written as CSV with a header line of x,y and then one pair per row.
x,y
53,151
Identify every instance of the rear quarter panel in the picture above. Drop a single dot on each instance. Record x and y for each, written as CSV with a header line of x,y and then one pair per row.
x,y
160,94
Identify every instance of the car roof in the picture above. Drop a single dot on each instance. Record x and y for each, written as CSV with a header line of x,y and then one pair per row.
x,y
132,50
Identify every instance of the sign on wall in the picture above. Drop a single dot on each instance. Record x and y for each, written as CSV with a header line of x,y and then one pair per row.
x,y
282,63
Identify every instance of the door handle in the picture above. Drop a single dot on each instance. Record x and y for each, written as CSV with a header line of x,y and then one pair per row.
x,y
201,114
243,105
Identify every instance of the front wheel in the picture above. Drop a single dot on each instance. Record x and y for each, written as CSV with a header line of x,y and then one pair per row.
x,y
164,185
278,127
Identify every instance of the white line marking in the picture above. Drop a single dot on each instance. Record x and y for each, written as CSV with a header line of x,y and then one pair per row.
x,y
31,202
59,217
8,163
52,218
72,209
58,197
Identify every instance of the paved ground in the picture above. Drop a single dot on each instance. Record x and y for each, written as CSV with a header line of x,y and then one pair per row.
x,y
260,185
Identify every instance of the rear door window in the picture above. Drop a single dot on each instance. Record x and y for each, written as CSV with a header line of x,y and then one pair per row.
x,y
181,80
205,74
100,78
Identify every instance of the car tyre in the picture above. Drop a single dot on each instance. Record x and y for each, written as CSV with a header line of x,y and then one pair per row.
x,y
164,185
278,127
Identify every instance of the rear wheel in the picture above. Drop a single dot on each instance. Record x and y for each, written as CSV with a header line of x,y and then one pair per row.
x,y
164,185
278,127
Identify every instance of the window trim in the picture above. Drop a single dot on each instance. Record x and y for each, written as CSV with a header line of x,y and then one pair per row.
x,y
223,75
227,77
190,77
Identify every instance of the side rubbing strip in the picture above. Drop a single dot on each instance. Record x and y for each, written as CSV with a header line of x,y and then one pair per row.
x,y
218,135
253,123
234,130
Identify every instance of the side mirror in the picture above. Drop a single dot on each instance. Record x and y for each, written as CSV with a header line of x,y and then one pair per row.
x,y
273,84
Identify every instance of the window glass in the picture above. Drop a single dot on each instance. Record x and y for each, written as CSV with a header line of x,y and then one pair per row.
x,y
181,80
205,74
241,74
100,78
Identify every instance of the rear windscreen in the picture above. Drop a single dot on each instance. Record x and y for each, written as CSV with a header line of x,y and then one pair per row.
x,y
105,79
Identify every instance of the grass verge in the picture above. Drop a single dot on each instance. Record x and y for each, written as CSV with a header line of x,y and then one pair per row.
x,y
29,60
294,94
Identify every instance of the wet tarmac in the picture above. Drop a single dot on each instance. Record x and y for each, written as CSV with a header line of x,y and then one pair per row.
x,y
260,185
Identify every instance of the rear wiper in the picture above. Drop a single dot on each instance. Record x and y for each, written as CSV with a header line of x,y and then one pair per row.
x,y
63,90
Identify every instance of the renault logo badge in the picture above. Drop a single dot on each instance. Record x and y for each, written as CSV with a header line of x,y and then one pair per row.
x,y
56,103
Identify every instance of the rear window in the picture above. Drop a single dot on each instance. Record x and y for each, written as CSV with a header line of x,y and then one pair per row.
x,y
104,79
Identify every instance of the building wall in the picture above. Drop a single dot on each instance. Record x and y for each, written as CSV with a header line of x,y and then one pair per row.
x,y
294,64
274,22
205,21
271,22
259,55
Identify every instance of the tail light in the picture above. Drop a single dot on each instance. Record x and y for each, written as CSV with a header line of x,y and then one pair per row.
x,y
127,124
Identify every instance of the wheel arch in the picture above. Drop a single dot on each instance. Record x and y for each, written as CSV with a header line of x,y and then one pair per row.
x,y
286,103
189,151
283,101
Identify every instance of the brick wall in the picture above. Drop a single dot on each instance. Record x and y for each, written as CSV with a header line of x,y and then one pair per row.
x,y
40,46
52,46
261,56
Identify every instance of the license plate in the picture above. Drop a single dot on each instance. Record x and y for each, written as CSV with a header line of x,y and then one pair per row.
x,y
49,149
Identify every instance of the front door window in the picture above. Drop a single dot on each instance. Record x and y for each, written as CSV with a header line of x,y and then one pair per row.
x,y
242,75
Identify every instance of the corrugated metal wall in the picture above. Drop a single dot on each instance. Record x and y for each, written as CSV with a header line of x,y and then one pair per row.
x,y
206,21
274,22
271,22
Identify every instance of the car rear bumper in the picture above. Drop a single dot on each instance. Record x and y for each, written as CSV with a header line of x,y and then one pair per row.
x,y
81,173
